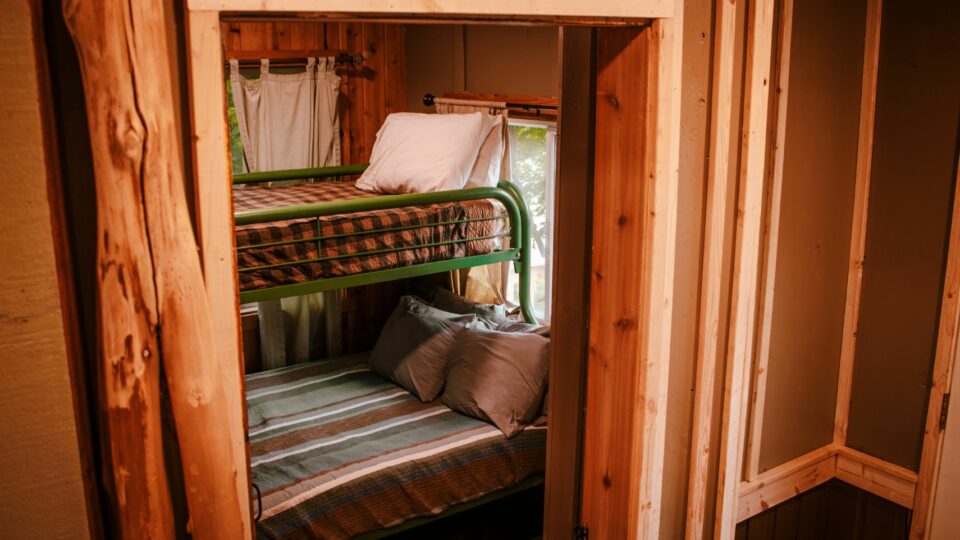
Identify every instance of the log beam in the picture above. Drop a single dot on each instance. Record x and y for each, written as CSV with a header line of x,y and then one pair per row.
x,y
152,293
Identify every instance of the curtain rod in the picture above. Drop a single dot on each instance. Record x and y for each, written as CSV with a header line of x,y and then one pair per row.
x,y
291,58
430,100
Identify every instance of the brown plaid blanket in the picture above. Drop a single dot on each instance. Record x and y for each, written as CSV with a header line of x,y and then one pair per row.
x,y
346,244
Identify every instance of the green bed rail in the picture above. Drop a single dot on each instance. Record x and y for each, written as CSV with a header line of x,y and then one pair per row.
x,y
507,193
299,174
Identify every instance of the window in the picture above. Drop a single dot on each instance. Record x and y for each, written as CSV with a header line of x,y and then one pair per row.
x,y
237,164
533,161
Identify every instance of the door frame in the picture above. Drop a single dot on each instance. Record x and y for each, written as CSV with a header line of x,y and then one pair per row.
x,y
651,329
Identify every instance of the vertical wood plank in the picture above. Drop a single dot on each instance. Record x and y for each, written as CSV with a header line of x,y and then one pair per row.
x,y
303,35
610,470
281,38
571,263
744,297
943,366
394,75
638,112
709,339
373,83
351,118
256,36
778,127
214,215
858,234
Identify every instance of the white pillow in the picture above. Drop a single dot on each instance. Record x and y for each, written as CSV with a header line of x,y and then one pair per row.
x,y
417,152
486,170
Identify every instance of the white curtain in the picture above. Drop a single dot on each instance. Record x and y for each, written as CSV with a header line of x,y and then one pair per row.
x,y
289,121
484,284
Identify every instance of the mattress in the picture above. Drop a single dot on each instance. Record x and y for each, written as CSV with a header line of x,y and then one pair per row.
x,y
337,451
349,238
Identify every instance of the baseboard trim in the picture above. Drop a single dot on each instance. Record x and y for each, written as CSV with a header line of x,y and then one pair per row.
x,y
869,473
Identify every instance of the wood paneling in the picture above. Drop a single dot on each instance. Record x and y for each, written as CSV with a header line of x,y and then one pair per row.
x,y
834,510
368,93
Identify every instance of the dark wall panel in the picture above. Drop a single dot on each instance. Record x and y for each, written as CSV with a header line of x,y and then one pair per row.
x,y
914,167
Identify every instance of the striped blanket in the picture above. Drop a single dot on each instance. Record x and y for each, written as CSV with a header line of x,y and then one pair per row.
x,y
338,451
446,227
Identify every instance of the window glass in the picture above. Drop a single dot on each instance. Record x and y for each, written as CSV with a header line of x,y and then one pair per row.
x,y
237,165
532,168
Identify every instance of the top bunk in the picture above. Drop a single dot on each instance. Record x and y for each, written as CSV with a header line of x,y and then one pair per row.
x,y
326,234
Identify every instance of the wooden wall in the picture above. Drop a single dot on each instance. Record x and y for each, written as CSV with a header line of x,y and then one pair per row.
x,y
368,93
814,219
41,480
914,167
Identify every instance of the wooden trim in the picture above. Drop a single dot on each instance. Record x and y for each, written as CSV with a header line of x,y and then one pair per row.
x,y
712,284
858,234
498,9
772,236
214,216
568,349
943,365
663,135
282,55
523,100
877,476
748,232
786,481
435,18
633,257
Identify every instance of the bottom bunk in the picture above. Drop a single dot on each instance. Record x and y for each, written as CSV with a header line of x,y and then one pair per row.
x,y
337,451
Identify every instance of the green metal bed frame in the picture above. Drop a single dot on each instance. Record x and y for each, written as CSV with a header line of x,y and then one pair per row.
x,y
507,193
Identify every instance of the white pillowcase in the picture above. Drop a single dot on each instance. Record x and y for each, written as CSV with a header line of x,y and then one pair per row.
x,y
486,170
417,152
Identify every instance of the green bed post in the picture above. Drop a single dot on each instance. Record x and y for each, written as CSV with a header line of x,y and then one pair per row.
x,y
522,265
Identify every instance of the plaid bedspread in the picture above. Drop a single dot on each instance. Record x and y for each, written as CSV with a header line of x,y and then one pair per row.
x,y
348,236
338,451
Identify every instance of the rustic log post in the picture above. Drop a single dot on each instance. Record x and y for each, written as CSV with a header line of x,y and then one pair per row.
x,y
151,283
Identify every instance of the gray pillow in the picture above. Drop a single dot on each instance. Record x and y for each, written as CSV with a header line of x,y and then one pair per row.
x,y
511,325
498,377
413,347
492,314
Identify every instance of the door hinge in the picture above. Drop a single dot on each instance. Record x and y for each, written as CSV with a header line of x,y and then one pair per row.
x,y
580,532
944,409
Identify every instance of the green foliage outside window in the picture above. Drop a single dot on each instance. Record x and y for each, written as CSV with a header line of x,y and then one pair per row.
x,y
236,144
528,157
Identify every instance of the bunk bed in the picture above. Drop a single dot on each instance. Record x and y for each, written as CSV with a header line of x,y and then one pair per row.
x,y
337,451
345,237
